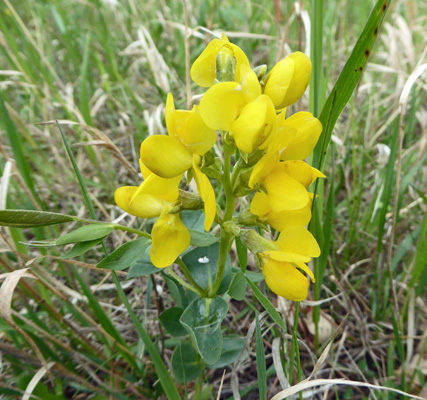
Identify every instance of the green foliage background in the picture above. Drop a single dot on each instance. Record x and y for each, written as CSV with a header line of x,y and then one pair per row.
x,y
107,66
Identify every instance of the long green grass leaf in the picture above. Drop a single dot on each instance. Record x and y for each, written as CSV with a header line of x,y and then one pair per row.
x,y
274,314
348,79
260,361
15,143
165,379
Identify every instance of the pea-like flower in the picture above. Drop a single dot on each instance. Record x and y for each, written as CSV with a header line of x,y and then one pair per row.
x,y
154,198
170,156
203,71
241,109
288,80
260,206
170,237
281,268
285,183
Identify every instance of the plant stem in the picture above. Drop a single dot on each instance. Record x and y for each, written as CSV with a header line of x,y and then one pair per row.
x,y
225,237
185,284
131,230
188,275
294,348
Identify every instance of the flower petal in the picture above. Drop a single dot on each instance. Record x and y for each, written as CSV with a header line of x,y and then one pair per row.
x,y
221,105
278,80
301,171
207,193
254,124
196,136
283,134
122,196
284,192
251,87
203,71
307,270
307,131
284,256
297,239
142,206
263,167
300,78
260,205
145,172
165,156
284,219
285,280
166,189
170,238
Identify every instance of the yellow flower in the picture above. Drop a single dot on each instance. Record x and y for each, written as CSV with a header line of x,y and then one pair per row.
x,y
285,183
203,71
288,80
169,156
151,197
281,268
170,238
260,206
241,109
206,191
296,136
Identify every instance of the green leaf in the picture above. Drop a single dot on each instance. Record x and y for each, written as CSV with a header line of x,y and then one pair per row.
x,y
254,276
274,314
185,363
126,255
202,320
242,254
202,239
81,248
194,220
143,266
86,233
348,79
260,362
176,291
238,287
231,349
30,218
170,320
203,264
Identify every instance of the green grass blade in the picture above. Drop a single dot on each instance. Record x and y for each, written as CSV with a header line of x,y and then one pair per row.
x,y
348,79
15,143
165,379
260,362
84,75
316,56
79,176
421,255
274,314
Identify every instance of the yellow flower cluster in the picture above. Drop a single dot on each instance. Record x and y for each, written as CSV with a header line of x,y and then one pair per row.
x,y
249,111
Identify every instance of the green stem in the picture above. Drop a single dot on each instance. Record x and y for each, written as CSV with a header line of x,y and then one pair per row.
x,y
115,226
188,275
226,237
185,284
294,348
165,379
131,230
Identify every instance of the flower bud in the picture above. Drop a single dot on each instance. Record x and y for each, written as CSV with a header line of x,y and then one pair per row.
x,y
255,242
